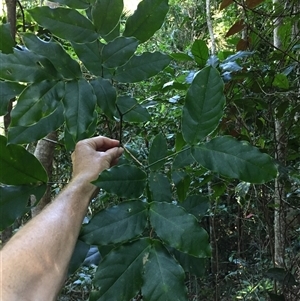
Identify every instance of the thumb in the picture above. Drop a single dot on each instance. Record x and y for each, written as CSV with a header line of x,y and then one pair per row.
x,y
114,154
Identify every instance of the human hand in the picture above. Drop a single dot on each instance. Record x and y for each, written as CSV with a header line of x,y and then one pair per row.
x,y
92,156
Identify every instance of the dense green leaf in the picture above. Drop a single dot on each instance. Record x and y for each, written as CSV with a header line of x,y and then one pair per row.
x,y
8,90
79,103
106,15
21,167
179,229
90,55
281,275
119,274
131,110
6,42
124,180
163,276
106,96
117,52
65,23
79,4
195,266
158,151
183,159
200,52
14,200
281,81
142,67
26,66
181,57
146,20
38,130
182,181
203,107
54,52
196,205
160,187
80,251
116,224
36,102
235,159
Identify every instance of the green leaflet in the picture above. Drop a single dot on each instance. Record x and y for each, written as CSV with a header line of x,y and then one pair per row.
x,y
204,105
142,67
65,23
6,42
55,53
158,151
8,90
14,201
124,180
235,159
106,22
147,19
174,226
116,224
20,166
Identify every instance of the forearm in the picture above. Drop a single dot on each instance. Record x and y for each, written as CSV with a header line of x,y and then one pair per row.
x,y
37,265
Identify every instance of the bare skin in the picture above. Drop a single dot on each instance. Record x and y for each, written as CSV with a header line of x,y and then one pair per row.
x,y
34,263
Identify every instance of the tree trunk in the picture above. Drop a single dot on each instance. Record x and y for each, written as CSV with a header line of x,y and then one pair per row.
x,y
44,152
280,149
210,28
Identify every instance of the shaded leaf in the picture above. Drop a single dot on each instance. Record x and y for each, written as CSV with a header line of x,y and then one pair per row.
x,y
79,104
106,15
191,264
106,96
131,110
200,52
275,297
14,199
8,90
196,205
179,229
65,23
281,81
146,20
38,130
119,274
235,28
158,151
182,182
90,55
117,52
181,57
160,187
225,3
55,53
80,251
21,167
36,102
163,276
124,180
235,159
142,67
26,66
116,224
253,3
6,42
281,275
204,105
79,4
183,159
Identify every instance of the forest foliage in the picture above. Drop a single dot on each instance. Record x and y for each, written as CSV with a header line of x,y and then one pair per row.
x,y
195,128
